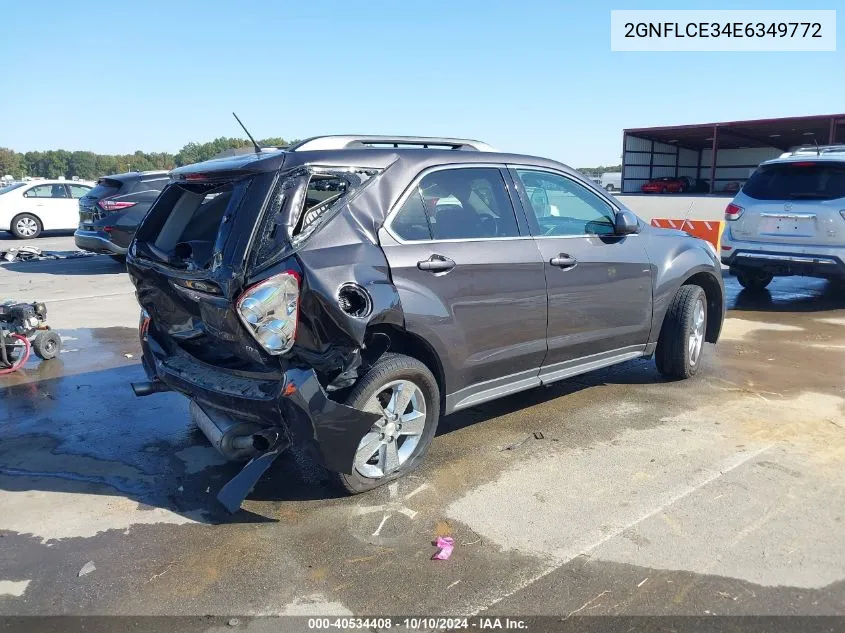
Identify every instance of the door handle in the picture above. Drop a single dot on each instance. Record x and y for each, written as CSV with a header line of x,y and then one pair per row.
x,y
563,261
436,264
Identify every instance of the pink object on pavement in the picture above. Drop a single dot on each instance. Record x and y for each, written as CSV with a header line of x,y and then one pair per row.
x,y
446,545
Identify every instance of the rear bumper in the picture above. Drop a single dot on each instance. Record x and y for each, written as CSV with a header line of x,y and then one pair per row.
x,y
96,242
292,403
784,259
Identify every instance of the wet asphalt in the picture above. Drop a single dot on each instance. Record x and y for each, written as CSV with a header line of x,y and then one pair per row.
x,y
612,493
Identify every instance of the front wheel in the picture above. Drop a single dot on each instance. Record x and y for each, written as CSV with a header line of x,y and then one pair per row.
x,y
681,341
405,394
754,280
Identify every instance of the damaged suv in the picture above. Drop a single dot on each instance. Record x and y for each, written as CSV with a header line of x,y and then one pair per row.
x,y
345,293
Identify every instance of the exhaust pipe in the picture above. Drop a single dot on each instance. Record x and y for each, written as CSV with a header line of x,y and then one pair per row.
x,y
147,388
263,441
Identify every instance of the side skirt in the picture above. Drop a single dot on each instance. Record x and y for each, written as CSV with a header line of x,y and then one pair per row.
x,y
493,389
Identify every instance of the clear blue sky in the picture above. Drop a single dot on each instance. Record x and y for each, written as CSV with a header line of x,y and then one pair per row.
x,y
529,76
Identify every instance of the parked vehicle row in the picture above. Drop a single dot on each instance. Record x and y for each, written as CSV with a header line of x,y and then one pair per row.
x,y
349,291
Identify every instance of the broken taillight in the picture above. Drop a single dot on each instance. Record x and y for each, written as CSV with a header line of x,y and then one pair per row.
x,y
114,205
270,311
733,211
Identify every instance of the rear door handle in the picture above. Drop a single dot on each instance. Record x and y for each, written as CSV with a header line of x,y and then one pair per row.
x,y
436,263
563,261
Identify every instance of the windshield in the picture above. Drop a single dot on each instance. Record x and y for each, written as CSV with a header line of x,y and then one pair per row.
x,y
805,180
9,188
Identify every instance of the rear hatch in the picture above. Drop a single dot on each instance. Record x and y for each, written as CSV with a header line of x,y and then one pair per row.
x,y
187,264
89,212
213,233
795,202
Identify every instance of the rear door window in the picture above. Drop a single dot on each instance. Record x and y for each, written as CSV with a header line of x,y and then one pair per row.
x,y
805,180
452,204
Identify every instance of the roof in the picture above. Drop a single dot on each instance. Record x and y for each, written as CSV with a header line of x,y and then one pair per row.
x,y
808,158
364,157
782,133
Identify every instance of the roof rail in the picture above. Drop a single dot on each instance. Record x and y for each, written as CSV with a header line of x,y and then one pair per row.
x,y
387,142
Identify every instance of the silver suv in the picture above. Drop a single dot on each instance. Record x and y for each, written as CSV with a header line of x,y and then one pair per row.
x,y
789,219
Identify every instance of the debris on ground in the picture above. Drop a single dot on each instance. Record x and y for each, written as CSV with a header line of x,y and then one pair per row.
x,y
537,435
642,582
515,445
32,253
446,545
87,568
129,355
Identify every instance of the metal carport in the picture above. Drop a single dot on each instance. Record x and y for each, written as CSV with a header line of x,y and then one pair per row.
x,y
719,153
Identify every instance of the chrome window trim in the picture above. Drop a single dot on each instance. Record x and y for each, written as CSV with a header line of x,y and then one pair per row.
x,y
397,206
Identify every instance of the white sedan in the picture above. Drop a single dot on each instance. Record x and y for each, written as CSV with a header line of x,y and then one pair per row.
x,y
27,208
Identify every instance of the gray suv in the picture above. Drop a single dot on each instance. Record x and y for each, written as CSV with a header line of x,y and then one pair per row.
x,y
345,293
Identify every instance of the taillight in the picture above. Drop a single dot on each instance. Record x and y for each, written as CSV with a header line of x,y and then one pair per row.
x,y
732,212
114,205
270,311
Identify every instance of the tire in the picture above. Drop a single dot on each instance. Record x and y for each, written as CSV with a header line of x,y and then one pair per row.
x,y
609,188
407,449
753,280
47,344
26,226
681,342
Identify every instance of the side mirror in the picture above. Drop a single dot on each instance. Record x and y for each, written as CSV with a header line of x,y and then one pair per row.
x,y
626,223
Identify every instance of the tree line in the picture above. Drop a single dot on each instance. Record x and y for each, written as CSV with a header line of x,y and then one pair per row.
x,y
57,163
595,172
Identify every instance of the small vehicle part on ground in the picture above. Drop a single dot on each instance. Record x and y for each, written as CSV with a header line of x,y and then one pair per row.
x,y
110,213
666,185
28,208
346,293
788,219
23,328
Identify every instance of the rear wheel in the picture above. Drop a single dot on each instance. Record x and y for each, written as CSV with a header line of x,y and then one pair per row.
x,y
26,226
753,279
681,341
404,393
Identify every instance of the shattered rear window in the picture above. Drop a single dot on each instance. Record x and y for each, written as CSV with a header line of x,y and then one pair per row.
x,y
301,202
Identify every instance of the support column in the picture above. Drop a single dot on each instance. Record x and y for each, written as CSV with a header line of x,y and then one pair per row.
x,y
831,137
624,150
714,149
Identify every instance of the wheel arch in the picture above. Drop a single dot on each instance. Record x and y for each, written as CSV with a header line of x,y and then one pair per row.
x,y
715,302
404,342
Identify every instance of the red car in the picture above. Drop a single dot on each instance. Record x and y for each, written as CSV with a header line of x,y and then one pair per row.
x,y
666,184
